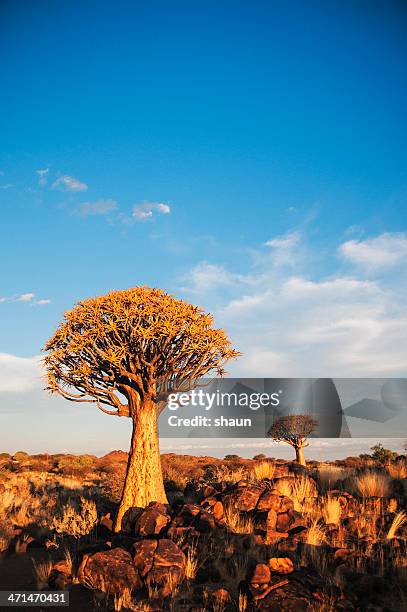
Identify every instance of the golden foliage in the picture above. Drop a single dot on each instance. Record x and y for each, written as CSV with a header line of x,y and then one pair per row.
x,y
121,347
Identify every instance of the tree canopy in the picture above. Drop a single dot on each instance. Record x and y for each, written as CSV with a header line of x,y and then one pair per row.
x,y
115,349
293,429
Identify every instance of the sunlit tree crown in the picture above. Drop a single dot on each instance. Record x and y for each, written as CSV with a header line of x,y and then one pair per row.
x,y
127,343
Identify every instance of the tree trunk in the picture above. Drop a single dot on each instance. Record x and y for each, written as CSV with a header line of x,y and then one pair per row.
x,y
299,455
144,481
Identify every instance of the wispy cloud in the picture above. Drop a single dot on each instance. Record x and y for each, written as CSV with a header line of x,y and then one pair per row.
x,y
19,374
27,298
6,186
146,210
42,176
99,207
205,277
69,183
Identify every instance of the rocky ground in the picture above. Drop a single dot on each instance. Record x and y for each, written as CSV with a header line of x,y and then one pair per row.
x,y
237,534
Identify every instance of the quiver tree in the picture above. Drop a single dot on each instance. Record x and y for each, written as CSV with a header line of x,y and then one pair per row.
x,y
293,429
125,352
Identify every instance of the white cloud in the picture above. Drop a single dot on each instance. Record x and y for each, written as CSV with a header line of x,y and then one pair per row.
x,y
289,322
205,277
286,241
25,297
42,176
99,207
69,183
381,252
285,248
19,374
145,211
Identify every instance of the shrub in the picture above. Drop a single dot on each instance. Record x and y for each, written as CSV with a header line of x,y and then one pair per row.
x,y
329,475
382,455
20,456
331,511
236,522
232,457
223,473
77,518
303,489
316,534
263,470
372,484
398,521
259,457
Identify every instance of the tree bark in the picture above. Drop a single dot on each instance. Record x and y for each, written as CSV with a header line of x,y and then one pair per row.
x,y
144,480
299,455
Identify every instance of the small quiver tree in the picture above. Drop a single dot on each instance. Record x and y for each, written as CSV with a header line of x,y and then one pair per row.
x,y
125,352
294,429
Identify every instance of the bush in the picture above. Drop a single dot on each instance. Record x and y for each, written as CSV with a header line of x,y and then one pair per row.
x,y
382,455
77,518
232,458
20,456
372,484
259,457
75,465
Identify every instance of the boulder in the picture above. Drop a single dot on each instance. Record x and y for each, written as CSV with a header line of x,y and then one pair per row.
x,y
283,521
261,575
152,521
286,504
110,571
221,596
281,565
268,501
244,498
143,555
271,520
205,522
129,519
168,567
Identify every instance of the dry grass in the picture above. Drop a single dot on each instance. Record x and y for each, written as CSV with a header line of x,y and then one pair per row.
x,y
42,572
262,470
237,522
331,510
329,475
302,492
123,600
316,534
223,473
192,564
399,520
397,470
242,602
175,477
76,518
372,484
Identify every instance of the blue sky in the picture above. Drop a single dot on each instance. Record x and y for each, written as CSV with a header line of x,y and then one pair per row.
x,y
249,157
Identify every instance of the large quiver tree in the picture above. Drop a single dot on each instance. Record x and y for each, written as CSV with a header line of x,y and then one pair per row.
x,y
125,352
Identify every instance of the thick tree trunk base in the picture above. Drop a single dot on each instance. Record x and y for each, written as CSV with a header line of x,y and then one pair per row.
x,y
144,481
299,456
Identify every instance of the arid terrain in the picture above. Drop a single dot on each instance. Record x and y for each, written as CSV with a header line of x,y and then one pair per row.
x,y
238,534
